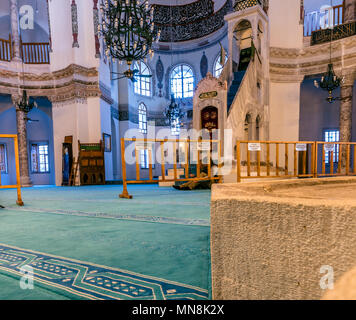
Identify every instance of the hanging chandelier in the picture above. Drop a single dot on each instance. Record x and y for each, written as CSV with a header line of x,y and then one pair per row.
x,y
329,82
173,113
128,30
24,103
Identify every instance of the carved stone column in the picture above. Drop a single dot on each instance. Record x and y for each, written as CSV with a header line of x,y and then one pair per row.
x,y
350,10
345,120
23,148
14,10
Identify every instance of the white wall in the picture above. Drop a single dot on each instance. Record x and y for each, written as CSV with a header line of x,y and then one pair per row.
x,y
61,30
284,111
285,28
285,32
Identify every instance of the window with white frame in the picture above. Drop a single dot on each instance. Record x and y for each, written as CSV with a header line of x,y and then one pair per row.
x,y
182,81
3,158
142,117
142,84
332,135
218,67
144,161
39,157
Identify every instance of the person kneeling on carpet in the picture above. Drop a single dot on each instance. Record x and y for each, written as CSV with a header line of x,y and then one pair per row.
x,y
196,185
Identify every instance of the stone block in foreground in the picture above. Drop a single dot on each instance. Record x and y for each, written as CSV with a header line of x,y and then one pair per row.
x,y
270,239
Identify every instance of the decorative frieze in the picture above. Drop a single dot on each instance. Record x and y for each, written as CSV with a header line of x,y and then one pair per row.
x,y
96,24
288,64
74,24
67,84
184,29
203,65
183,14
302,12
160,75
106,93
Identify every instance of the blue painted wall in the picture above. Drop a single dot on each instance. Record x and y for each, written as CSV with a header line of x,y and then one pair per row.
x,y
41,131
316,114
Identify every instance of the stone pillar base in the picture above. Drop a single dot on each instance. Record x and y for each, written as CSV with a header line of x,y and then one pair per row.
x,y
26,182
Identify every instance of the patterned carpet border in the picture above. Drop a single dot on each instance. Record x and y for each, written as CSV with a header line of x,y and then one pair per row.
x,y
142,218
92,281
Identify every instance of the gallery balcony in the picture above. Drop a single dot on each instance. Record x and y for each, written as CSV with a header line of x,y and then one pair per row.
x,y
31,53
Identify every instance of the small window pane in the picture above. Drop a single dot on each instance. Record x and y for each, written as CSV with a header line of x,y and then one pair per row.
x,y
142,118
3,160
182,81
39,158
144,159
332,136
142,85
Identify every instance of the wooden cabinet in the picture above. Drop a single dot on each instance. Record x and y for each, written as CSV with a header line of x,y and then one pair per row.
x,y
91,163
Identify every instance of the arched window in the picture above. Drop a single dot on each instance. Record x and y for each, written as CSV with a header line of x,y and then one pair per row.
x,y
218,67
142,84
142,118
182,81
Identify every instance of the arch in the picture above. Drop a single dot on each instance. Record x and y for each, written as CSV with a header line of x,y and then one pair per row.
x,y
243,33
242,45
143,83
217,66
258,128
142,117
248,127
181,80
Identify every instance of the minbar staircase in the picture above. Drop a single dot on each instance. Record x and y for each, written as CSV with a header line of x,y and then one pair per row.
x,y
235,85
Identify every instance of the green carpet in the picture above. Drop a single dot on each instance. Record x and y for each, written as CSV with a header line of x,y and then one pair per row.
x,y
161,233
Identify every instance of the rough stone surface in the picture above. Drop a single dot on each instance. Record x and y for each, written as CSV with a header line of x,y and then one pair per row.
x,y
270,239
350,10
23,155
